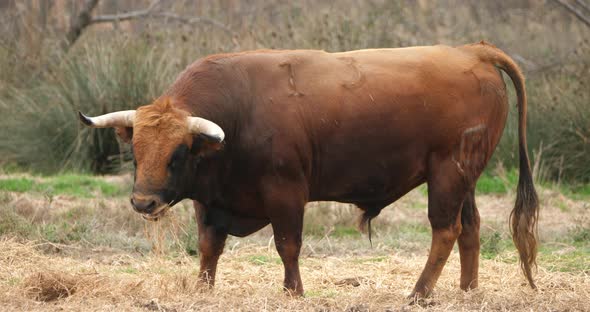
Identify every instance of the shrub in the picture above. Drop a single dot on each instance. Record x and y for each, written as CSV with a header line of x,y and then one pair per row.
x,y
39,128
558,123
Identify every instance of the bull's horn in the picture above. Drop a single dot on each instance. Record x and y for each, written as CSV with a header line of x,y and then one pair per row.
x,y
116,119
197,125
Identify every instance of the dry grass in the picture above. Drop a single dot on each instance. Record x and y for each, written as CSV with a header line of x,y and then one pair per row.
x,y
340,270
33,281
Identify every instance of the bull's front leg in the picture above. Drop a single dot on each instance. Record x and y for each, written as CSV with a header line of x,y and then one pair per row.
x,y
211,244
285,207
287,233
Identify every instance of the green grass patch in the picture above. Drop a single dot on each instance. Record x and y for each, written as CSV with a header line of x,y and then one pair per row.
x,y
418,205
582,190
323,293
345,231
568,254
65,232
493,244
489,183
577,192
16,185
423,189
79,186
568,259
493,183
338,231
263,260
67,184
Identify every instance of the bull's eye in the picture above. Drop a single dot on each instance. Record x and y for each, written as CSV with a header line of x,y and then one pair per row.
x,y
178,158
174,163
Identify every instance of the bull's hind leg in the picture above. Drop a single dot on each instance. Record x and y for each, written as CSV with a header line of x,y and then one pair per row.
x,y
451,206
446,191
469,242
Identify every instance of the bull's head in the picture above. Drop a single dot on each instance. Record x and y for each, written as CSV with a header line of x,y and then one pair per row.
x,y
167,145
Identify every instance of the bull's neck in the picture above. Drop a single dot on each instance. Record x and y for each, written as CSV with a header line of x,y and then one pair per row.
x,y
212,90
206,90
210,178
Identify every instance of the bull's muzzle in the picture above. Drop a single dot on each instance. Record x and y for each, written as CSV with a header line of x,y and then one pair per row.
x,y
143,205
151,207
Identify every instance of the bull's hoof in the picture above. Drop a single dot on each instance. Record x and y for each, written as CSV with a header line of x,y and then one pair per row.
x,y
295,293
467,286
421,299
203,287
205,282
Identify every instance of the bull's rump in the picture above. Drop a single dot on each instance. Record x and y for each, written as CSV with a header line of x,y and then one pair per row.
x,y
366,121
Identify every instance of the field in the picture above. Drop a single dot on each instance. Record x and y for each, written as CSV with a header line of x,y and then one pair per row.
x,y
81,247
69,240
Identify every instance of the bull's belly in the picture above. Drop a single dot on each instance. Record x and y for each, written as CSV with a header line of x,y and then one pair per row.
x,y
372,195
372,185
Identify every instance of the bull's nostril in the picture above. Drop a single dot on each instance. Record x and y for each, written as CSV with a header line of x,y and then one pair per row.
x,y
143,206
151,206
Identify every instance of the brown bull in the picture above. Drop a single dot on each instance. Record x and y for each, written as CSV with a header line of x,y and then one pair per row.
x,y
278,129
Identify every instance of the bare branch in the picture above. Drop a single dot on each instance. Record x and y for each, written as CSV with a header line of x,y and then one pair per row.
x,y
576,12
79,23
85,19
583,4
195,20
149,12
124,16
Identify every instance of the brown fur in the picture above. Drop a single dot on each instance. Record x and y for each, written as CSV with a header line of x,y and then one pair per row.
x,y
366,127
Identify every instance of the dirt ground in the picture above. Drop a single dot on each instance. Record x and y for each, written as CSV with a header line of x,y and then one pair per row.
x,y
340,273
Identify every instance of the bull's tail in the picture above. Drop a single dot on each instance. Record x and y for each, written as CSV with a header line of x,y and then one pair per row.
x,y
525,215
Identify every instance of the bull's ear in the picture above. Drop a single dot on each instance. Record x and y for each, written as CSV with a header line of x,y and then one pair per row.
x,y
124,133
204,145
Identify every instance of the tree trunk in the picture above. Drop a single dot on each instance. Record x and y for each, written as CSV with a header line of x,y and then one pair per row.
x,y
81,21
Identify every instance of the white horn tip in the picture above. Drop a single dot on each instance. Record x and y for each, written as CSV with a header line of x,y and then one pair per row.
x,y
220,137
217,137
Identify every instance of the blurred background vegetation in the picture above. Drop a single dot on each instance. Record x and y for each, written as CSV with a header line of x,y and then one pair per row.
x,y
61,56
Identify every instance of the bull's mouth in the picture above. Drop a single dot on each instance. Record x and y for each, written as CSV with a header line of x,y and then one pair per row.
x,y
157,214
